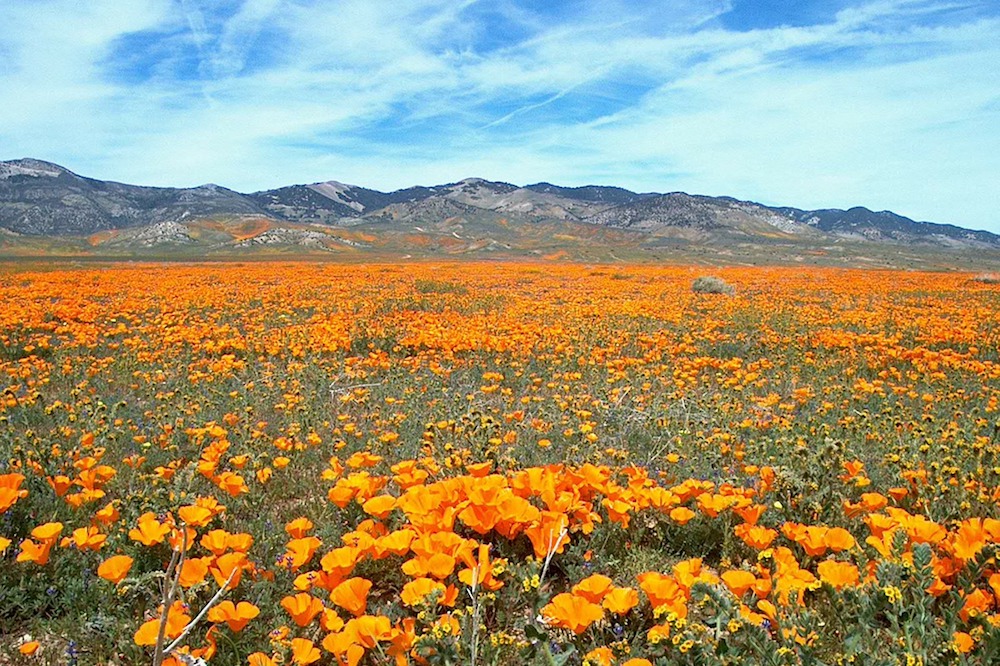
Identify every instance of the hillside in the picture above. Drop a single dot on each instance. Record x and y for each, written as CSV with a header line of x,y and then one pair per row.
x,y
47,209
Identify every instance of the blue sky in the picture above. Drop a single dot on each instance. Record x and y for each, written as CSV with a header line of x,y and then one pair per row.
x,y
889,104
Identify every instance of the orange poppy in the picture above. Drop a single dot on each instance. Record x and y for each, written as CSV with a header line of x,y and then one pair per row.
x,y
620,600
380,506
482,570
195,516
48,532
593,588
738,581
177,620
193,571
115,568
838,539
352,595
60,484
681,515
970,539
304,652
85,538
35,552
340,561
149,531
838,574
298,552
572,612
664,593
755,536
299,527
414,592
437,565
224,566
975,604
215,541
107,515
963,642
236,616
303,608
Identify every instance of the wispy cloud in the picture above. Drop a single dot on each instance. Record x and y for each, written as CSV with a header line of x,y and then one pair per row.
x,y
885,103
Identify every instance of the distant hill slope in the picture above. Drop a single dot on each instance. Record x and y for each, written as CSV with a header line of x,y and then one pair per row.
x,y
40,200
885,225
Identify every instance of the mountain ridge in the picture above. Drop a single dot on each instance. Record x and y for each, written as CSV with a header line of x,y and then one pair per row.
x,y
40,199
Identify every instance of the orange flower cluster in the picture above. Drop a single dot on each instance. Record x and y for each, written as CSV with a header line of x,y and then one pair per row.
x,y
590,455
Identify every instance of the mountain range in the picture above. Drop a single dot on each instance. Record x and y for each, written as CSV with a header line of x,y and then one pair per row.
x,y
46,208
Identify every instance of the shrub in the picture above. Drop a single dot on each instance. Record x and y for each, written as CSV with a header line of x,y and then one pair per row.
x,y
987,278
709,284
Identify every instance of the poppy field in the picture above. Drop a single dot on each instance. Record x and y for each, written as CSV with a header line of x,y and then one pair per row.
x,y
497,463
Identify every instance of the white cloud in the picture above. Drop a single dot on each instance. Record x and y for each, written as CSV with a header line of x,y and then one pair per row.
x,y
881,106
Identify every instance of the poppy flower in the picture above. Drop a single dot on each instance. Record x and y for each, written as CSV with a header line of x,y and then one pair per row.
x,y
593,588
481,571
115,568
963,642
60,484
215,541
664,592
240,542
394,543
182,537
232,484
177,620
47,532
838,539
548,534
107,515
414,592
600,656
330,621
975,604
620,600
340,561
438,565
352,595
968,541
149,531
195,516
304,652
750,514
380,506
303,608
681,515
755,536
35,552
838,574
85,538
738,581
572,612
299,527
370,629
236,616
10,491
193,571
223,567
299,551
